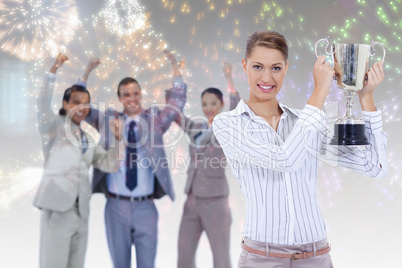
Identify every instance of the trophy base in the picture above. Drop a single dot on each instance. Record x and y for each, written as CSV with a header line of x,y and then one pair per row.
x,y
349,134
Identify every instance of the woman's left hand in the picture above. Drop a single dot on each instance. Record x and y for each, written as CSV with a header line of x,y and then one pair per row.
x,y
375,76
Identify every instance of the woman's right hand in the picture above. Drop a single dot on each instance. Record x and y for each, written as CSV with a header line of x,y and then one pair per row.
x,y
61,58
323,74
93,63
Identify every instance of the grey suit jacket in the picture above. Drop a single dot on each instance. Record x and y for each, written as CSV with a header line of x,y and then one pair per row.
x,y
65,174
206,174
154,122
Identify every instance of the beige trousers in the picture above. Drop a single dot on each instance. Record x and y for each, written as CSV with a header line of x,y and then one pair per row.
x,y
251,260
213,216
63,239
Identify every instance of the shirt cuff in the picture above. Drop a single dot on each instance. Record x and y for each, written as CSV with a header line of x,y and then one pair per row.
x,y
178,81
51,76
81,82
373,120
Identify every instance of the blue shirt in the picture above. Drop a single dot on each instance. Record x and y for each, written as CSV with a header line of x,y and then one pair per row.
x,y
116,182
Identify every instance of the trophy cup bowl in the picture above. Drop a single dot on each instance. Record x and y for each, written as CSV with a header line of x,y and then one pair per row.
x,y
351,66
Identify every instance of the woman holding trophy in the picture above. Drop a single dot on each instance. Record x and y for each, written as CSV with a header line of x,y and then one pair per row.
x,y
273,150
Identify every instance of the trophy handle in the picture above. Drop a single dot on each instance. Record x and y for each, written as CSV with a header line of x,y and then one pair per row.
x,y
372,51
326,47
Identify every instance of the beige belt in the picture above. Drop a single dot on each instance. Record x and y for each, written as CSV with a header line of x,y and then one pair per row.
x,y
294,256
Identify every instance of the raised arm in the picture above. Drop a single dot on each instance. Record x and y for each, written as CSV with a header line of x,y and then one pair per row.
x,y
240,146
233,94
237,139
44,109
172,59
94,117
323,75
372,160
92,64
375,76
58,63
175,96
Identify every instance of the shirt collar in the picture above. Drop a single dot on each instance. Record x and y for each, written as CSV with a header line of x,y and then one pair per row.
x,y
128,119
243,108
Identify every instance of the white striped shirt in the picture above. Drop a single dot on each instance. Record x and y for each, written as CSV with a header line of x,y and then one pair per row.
x,y
277,171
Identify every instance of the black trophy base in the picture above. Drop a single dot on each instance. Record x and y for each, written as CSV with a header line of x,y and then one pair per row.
x,y
349,134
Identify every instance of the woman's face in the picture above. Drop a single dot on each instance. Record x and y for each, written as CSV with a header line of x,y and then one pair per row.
x,y
78,105
265,69
211,105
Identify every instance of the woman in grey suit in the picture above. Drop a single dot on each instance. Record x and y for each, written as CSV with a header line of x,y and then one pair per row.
x,y
206,208
69,149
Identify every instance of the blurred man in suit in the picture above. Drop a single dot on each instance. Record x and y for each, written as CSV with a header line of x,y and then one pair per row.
x,y
130,214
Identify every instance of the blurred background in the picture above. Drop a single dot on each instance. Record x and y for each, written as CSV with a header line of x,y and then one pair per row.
x,y
363,215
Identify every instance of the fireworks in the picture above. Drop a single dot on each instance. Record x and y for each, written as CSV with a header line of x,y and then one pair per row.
x,y
33,29
16,180
139,55
123,17
209,32
380,21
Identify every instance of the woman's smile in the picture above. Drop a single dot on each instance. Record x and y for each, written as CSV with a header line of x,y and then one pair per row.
x,y
266,88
